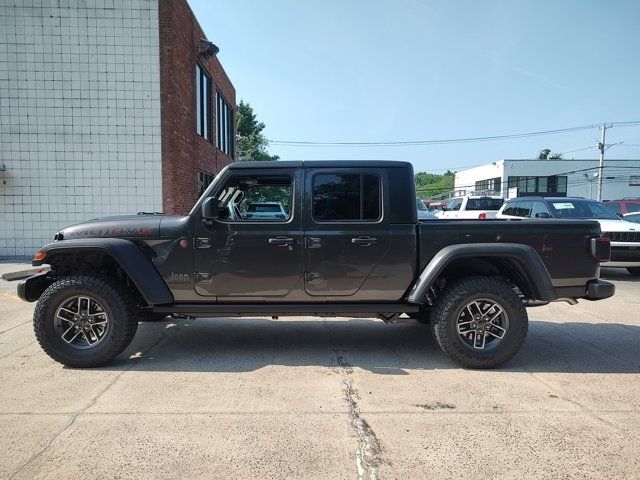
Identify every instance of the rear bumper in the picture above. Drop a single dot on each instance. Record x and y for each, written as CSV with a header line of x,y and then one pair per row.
x,y
599,290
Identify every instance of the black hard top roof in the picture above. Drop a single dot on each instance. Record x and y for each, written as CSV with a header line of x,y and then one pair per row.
x,y
322,163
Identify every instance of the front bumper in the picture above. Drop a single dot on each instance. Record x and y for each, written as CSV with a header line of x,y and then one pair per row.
x,y
599,290
31,288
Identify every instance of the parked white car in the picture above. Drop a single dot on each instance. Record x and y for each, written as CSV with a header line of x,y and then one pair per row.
x,y
471,206
624,235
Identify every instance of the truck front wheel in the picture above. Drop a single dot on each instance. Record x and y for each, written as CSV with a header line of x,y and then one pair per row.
x,y
85,320
479,322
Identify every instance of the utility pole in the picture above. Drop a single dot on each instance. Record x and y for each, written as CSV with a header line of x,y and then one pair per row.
x,y
601,146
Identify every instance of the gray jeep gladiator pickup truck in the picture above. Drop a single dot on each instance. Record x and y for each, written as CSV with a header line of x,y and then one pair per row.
x,y
348,245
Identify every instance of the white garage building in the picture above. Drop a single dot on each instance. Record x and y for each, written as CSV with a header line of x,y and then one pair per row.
x,y
579,178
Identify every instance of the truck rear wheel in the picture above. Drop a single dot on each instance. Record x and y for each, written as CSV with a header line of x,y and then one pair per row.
x,y
480,322
85,320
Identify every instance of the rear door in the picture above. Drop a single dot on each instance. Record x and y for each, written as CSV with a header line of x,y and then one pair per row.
x,y
346,229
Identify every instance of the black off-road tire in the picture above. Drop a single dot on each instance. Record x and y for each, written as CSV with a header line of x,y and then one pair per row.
x,y
448,308
635,271
118,303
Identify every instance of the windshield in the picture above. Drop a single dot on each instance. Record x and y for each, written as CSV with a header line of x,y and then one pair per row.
x,y
484,203
421,205
581,209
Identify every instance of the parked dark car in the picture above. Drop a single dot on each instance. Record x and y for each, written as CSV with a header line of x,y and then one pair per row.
x,y
350,245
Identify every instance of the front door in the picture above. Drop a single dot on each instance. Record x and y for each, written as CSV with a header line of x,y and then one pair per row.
x,y
255,248
346,231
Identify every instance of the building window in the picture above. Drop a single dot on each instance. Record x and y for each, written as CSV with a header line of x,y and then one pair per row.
x,y
349,197
224,126
204,180
490,184
554,185
203,103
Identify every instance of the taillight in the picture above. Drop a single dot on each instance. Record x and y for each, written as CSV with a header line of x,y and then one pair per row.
x,y
601,249
482,216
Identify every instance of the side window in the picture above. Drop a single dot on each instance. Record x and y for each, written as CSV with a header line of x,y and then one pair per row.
x,y
256,198
346,197
524,209
454,204
510,209
538,208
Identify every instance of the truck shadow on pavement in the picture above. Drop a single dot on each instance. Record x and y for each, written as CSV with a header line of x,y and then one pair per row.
x,y
243,345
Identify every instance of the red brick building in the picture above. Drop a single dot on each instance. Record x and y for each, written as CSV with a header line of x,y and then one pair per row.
x,y
197,106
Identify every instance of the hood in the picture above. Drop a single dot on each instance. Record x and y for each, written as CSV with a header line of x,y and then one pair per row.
x,y
618,226
124,226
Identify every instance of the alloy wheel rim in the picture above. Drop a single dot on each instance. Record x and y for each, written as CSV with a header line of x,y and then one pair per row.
x,y
482,324
81,322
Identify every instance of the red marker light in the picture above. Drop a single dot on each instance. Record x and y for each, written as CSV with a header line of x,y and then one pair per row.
x,y
482,216
184,243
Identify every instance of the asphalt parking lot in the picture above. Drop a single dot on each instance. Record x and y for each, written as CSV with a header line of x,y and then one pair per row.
x,y
309,398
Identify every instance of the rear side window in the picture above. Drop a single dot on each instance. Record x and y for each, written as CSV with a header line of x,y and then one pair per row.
x,y
518,209
346,197
484,203
510,209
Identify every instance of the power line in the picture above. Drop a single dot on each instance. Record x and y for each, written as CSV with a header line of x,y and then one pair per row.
x,y
446,141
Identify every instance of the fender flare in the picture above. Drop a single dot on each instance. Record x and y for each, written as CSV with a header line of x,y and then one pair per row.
x,y
529,264
125,253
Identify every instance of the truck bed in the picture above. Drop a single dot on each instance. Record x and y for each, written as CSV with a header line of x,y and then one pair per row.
x,y
563,245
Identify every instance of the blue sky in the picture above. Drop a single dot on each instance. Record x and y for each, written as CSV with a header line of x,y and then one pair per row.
x,y
360,71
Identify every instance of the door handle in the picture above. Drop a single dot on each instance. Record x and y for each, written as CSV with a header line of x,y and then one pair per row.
x,y
364,241
282,241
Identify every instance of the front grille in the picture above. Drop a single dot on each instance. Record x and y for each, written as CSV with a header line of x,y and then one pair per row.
x,y
623,236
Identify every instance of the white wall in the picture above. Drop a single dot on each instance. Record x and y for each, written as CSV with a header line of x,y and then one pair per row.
x,y
79,115
578,184
466,179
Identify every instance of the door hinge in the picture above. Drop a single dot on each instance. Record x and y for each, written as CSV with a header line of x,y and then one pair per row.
x,y
203,277
312,277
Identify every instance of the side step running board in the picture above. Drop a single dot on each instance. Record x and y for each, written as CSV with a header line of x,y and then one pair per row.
x,y
284,309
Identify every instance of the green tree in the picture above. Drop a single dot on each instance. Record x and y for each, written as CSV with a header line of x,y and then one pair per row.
x,y
430,184
545,154
252,144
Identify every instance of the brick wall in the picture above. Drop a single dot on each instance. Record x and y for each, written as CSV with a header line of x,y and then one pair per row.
x,y
184,152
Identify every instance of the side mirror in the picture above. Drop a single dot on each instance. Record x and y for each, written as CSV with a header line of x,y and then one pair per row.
x,y
210,209
543,215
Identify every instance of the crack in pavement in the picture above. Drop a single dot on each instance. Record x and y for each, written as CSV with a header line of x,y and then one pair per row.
x,y
71,420
369,453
